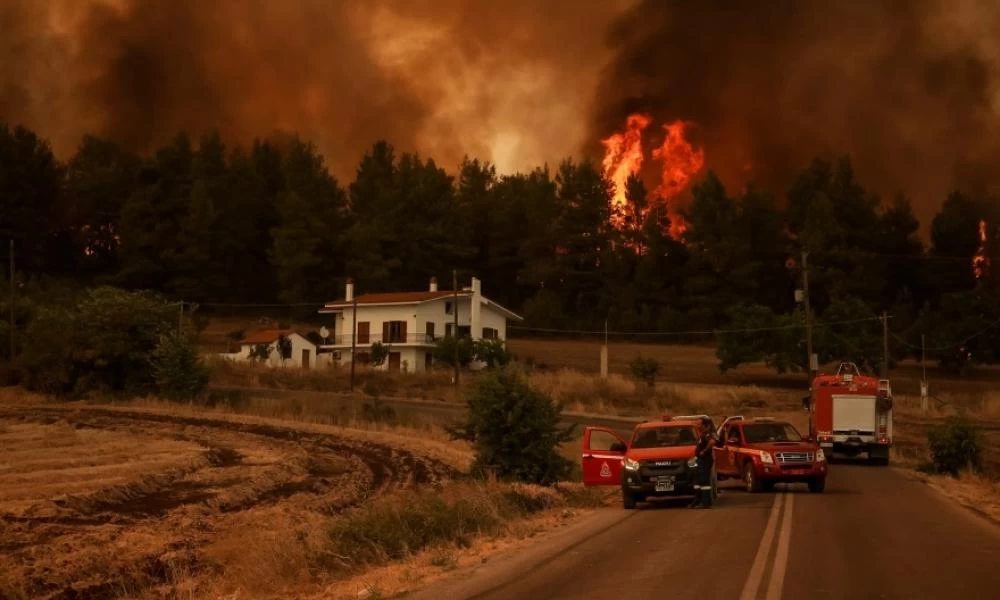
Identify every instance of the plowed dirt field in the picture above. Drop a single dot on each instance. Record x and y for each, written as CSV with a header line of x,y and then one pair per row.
x,y
95,502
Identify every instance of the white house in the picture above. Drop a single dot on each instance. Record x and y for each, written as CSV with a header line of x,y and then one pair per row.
x,y
410,322
303,353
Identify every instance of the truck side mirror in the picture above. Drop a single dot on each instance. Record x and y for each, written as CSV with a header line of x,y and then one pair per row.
x,y
805,403
618,447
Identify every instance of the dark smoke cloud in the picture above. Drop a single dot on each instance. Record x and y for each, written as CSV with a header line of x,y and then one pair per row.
x,y
907,87
508,81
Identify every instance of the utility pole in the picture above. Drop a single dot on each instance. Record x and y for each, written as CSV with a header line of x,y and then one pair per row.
x,y
924,403
809,330
12,300
604,352
885,345
454,288
354,333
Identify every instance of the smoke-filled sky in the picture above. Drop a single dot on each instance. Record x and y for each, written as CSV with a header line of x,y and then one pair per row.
x,y
908,87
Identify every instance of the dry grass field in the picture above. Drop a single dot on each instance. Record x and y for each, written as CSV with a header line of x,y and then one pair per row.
x,y
112,503
698,364
151,500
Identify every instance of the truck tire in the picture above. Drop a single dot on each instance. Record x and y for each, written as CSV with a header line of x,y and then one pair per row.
x,y
816,486
628,500
750,480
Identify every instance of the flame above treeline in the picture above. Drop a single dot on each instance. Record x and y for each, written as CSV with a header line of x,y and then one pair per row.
x,y
981,260
679,161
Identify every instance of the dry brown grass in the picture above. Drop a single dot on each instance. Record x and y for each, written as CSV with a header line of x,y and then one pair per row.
x,y
369,381
698,364
153,500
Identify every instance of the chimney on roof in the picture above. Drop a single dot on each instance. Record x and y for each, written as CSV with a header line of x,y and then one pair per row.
x,y
349,290
434,284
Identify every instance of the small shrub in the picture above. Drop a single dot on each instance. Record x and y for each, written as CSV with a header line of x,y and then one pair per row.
x,y
378,354
260,352
954,446
645,369
493,353
284,346
446,347
515,429
178,370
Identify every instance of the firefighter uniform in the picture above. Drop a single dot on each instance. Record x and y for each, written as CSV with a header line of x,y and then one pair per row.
x,y
703,481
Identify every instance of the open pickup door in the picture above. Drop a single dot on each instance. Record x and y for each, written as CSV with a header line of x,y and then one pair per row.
x,y
603,455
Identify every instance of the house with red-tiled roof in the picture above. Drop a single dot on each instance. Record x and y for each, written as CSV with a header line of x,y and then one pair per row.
x,y
410,323
265,346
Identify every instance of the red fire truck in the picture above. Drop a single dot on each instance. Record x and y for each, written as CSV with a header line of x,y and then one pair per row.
x,y
852,414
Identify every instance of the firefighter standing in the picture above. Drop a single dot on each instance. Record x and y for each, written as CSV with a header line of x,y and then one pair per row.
x,y
703,481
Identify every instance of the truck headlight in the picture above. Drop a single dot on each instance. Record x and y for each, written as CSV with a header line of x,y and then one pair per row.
x,y
765,457
631,465
820,455
693,462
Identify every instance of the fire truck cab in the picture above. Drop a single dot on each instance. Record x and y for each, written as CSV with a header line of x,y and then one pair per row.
x,y
852,414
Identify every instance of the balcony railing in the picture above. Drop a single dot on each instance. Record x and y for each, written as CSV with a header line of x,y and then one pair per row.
x,y
368,340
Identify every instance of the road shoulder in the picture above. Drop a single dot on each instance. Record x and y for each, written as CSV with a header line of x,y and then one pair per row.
x,y
518,561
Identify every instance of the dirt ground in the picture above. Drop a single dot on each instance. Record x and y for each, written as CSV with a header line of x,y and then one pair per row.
x,y
98,502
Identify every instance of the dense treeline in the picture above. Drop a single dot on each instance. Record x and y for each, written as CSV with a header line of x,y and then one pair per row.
x,y
207,223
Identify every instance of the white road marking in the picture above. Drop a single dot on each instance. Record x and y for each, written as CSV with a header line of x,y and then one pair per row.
x,y
752,585
776,583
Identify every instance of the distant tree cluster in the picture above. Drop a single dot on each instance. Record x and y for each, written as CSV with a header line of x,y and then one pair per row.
x,y
268,223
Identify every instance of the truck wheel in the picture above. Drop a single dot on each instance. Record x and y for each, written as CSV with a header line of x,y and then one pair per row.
x,y
749,479
816,486
628,500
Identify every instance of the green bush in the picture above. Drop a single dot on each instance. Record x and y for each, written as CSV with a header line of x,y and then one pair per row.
x,y
954,446
514,429
260,352
178,370
445,348
378,354
645,369
493,353
103,342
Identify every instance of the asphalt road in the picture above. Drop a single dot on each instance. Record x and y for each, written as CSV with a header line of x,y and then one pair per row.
x,y
875,533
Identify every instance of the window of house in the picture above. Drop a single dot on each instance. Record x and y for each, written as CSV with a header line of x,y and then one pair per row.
x,y
490,333
448,308
464,331
364,328
394,332
430,331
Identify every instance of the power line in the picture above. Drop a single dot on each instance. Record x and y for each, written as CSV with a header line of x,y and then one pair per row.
x,y
953,345
694,332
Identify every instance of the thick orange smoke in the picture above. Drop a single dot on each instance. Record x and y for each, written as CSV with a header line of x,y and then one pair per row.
x,y
981,261
680,162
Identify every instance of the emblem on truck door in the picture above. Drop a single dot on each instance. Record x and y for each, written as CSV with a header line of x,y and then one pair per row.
x,y
605,470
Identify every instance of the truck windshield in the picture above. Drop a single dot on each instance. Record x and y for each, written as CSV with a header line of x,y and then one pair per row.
x,y
664,437
770,432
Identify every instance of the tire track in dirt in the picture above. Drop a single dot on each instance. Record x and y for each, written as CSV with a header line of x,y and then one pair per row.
x,y
243,466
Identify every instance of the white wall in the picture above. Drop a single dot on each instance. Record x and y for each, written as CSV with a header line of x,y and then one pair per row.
x,y
490,317
299,344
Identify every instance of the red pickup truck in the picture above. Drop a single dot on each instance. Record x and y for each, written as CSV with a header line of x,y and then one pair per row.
x,y
764,451
657,460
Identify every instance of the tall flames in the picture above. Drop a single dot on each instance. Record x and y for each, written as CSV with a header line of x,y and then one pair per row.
x,y
679,162
981,260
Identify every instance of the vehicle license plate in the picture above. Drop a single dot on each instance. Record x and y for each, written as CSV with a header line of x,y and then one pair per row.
x,y
665,484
